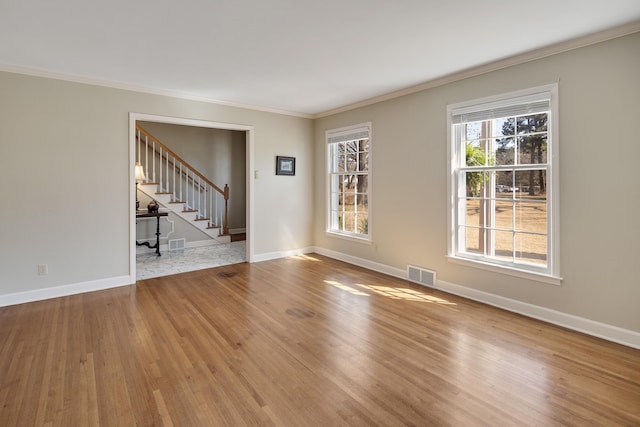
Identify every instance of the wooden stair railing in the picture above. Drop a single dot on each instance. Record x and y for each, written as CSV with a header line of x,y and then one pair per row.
x,y
160,155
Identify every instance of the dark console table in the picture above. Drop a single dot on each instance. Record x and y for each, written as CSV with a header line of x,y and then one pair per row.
x,y
156,215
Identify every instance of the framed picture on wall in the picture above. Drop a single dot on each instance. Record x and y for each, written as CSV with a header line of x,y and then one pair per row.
x,y
285,165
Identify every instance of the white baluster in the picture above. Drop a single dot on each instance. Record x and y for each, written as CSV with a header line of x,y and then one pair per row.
x,y
211,212
173,170
159,163
138,139
146,155
153,160
204,203
217,213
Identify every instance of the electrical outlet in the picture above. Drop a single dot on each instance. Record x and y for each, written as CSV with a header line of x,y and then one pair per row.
x,y
43,269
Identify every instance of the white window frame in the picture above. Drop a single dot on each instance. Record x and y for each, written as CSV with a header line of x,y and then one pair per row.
x,y
345,134
551,272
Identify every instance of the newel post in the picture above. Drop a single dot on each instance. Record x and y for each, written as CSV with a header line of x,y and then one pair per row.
x,y
225,228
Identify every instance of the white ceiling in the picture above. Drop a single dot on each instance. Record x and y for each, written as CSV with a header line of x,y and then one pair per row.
x,y
299,56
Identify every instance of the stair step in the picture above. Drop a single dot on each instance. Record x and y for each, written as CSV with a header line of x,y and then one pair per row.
x,y
212,227
201,219
189,210
164,192
177,202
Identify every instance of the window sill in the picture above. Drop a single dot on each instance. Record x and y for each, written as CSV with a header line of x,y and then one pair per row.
x,y
523,274
350,237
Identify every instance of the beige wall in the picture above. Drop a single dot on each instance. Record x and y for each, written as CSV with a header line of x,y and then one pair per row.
x,y
64,179
599,95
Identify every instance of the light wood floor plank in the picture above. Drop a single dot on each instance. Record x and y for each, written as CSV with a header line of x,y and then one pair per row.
x,y
302,341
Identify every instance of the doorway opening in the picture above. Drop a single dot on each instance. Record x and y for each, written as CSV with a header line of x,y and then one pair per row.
x,y
229,137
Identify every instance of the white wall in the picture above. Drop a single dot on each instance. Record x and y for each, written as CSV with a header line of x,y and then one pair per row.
x,y
64,180
599,148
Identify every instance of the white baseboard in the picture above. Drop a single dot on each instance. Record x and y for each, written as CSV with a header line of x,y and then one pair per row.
x,y
580,324
64,290
281,254
360,262
590,327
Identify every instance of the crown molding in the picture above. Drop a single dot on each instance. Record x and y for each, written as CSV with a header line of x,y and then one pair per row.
x,y
36,72
590,39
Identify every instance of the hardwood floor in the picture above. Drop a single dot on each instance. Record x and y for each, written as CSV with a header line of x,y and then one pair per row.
x,y
302,341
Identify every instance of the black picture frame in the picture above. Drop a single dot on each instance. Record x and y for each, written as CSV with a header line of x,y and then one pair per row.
x,y
285,165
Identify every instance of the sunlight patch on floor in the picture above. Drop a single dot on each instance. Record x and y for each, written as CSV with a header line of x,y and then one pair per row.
x,y
407,294
305,258
345,288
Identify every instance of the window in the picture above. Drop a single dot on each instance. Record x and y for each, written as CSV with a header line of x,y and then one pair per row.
x,y
503,182
348,157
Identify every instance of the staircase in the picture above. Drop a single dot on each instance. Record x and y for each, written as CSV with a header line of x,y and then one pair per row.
x,y
178,187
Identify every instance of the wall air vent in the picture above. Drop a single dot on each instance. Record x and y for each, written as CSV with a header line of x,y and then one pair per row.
x,y
176,244
421,276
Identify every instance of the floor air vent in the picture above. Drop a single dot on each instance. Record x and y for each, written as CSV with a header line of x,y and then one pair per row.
x,y
421,275
176,244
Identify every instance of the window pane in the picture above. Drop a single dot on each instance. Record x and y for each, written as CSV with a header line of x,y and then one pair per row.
x,y
504,185
532,123
532,149
505,151
504,245
472,212
363,155
349,220
361,202
476,153
472,131
352,161
362,186
504,126
363,223
531,248
504,215
474,240
475,183
339,152
532,184
531,216
347,201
